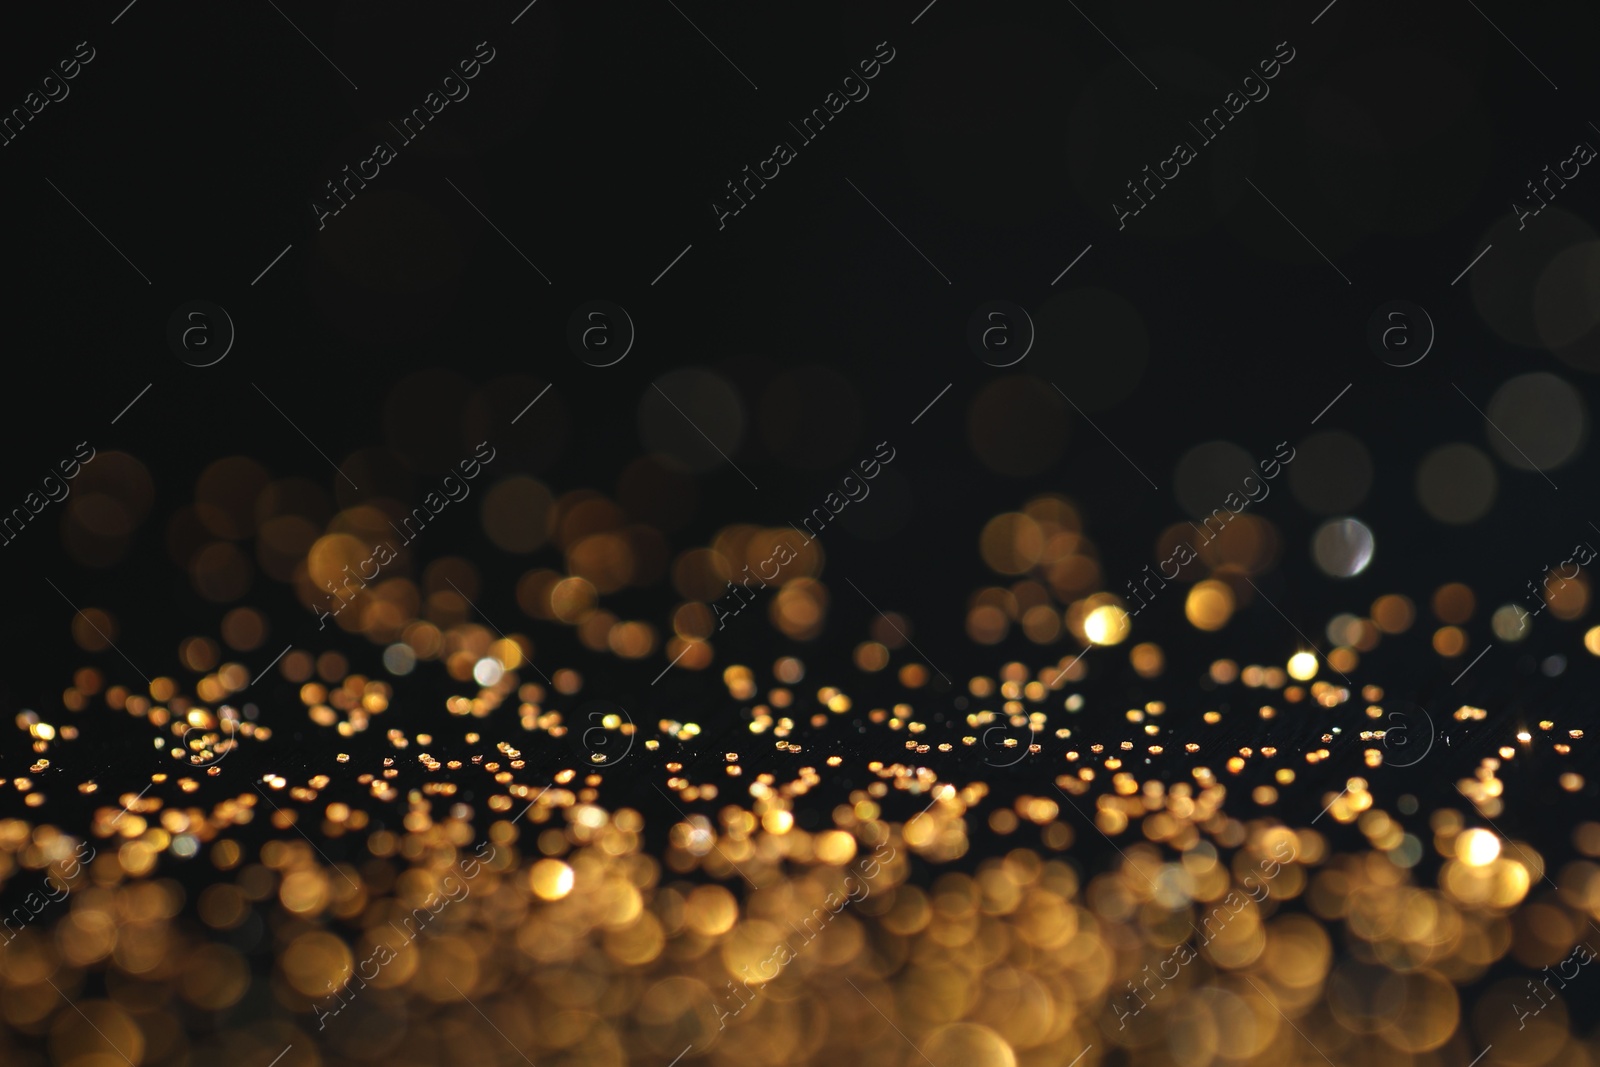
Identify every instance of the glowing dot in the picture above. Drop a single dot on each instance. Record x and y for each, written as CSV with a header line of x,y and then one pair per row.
x,y
1510,622
550,879
488,671
1449,641
1477,848
398,659
1342,548
1209,605
1393,613
1106,625
1303,666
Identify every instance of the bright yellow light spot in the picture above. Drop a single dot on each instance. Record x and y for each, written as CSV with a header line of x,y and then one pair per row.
x,y
1477,848
550,879
1209,605
1106,625
1303,666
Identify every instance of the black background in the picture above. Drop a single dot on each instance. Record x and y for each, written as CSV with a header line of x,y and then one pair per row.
x,y
596,141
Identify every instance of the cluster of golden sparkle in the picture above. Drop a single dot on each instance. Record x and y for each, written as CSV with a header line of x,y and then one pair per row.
x,y
578,942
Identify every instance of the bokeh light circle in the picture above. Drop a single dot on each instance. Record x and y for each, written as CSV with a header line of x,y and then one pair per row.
x,y
1342,548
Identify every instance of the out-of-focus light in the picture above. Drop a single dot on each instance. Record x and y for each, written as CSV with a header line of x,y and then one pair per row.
x,y
1409,851
1545,416
1510,622
1449,641
1106,625
1342,548
1454,603
1344,629
398,659
1393,613
1332,472
551,879
1209,605
1303,666
1477,848
1456,484
488,671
